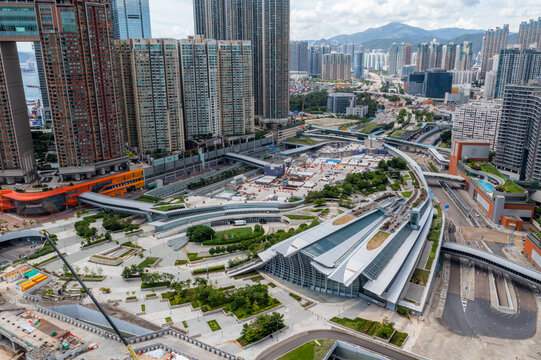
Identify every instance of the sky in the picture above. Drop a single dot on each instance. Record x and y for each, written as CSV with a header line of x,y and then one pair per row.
x,y
315,19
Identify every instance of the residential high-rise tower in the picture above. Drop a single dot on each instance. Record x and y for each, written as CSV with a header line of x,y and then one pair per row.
x,y
529,34
478,120
493,42
150,95
516,67
423,57
266,24
519,137
299,56
75,38
336,67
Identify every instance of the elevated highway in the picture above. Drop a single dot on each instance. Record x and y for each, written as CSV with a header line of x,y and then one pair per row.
x,y
500,263
389,140
247,159
444,177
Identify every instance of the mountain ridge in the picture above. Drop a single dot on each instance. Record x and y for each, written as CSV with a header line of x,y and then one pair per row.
x,y
382,37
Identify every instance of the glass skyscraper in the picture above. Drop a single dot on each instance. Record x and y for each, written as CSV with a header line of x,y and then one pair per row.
x,y
131,19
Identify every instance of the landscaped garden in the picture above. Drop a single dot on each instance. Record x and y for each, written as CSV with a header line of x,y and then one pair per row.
x,y
434,236
262,326
420,277
384,330
243,302
214,326
508,186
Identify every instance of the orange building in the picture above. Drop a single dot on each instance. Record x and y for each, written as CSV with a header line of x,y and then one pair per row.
x,y
476,150
512,222
49,202
532,250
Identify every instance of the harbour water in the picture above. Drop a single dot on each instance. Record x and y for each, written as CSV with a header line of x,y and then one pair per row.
x,y
31,78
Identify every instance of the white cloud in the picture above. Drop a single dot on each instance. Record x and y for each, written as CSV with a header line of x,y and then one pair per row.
x,y
323,19
350,16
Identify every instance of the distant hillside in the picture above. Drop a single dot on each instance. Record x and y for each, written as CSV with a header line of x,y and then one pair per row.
x,y
382,37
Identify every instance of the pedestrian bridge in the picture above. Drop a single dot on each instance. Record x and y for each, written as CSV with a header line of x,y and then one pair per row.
x,y
443,177
247,159
493,261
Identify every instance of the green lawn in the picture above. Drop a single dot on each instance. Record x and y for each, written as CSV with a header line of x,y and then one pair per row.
x,y
235,235
300,217
371,127
149,199
407,194
398,338
180,262
211,269
511,187
168,319
357,324
147,262
491,170
169,207
253,273
310,351
242,232
195,257
398,133
214,326
303,141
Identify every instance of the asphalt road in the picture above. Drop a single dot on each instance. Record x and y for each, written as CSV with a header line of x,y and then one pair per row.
x,y
454,212
283,347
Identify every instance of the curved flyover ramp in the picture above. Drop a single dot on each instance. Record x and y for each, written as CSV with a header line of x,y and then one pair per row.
x,y
285,346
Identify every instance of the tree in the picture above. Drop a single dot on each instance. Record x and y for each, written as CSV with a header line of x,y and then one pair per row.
x,y
199,281
86,269
398,163
131,271
65,269
491,156
200,233
383,165
446,136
